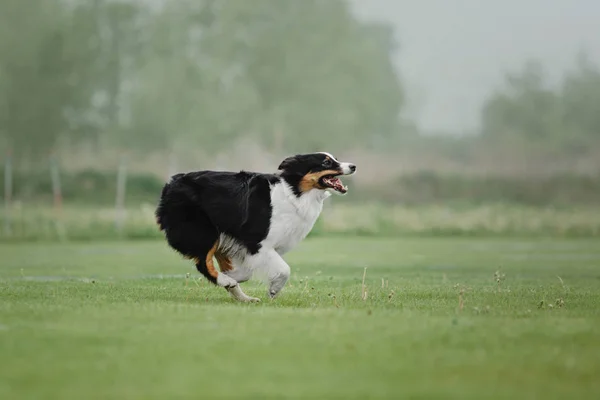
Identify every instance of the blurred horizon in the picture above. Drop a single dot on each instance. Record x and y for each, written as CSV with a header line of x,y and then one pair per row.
x,y
439,105
453,54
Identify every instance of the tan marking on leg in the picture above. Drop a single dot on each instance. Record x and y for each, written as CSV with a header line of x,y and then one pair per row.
x,y
224,261
210,265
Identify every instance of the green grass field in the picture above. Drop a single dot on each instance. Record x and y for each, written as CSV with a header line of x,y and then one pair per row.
x,y
443,318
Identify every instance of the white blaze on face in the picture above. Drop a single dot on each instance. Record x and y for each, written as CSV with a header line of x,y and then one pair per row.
x,y
329,155
346,170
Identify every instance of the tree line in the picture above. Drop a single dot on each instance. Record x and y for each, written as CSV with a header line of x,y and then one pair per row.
x,y
563,116
157,75
290,75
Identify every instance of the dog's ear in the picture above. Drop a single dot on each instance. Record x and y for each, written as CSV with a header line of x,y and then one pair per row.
x,y
287,163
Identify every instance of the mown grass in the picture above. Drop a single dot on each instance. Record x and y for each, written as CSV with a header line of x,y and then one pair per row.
x,y
442,318
77,222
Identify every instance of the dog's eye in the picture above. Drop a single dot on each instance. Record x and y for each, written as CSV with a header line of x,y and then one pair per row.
x,y
327,163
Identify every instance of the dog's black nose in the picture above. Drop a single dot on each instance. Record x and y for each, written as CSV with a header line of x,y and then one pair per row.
x,y
352,167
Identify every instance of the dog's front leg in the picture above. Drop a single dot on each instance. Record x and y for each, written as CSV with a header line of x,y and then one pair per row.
x,y
270,264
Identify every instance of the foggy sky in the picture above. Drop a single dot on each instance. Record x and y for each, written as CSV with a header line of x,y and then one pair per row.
x,y
454,52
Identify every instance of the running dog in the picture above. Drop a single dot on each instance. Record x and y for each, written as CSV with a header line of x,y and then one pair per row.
x,y
246,220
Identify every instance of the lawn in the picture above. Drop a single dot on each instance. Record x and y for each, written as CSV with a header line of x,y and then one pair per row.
x,y
442,318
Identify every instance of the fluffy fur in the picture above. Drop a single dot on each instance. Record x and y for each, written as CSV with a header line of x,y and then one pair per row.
x,y
247,221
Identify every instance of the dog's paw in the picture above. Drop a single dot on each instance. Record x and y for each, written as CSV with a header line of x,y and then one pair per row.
x,y
226,281
237,293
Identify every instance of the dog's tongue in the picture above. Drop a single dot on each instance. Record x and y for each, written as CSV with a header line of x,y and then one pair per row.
x,y
336,184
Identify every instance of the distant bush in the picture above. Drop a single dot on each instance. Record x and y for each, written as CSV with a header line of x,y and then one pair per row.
x,y
426,188
369,219
87,187
373,219
434,188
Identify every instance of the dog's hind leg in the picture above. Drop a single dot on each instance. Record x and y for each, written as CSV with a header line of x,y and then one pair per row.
x,y
237,293
224,261
241,275
238,273
226,268
207,268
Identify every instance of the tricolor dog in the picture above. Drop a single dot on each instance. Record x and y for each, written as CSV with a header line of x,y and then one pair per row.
x,y
245,220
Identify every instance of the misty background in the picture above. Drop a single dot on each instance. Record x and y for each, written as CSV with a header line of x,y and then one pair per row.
x,y
453,54
457,105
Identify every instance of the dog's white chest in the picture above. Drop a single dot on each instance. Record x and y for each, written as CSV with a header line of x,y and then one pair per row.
x,y
293,217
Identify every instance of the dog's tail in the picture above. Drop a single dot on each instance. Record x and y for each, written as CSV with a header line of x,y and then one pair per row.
x,y
188,228
160,209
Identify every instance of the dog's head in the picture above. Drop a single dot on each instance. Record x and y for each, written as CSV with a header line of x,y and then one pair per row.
x,y
315,171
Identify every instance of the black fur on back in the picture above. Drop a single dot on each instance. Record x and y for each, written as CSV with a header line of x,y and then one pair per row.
x,y
195,208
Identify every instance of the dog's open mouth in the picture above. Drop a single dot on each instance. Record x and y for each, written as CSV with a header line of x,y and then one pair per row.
x,y
333,182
